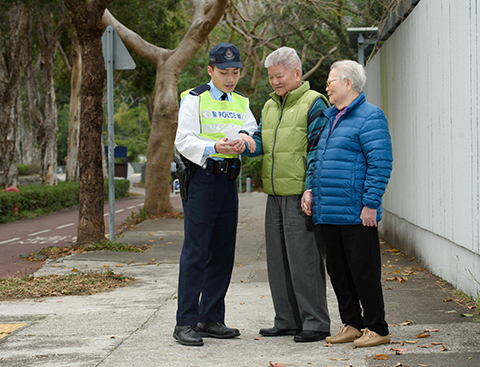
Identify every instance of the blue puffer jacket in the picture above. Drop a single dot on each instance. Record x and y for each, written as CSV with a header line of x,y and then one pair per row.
x,y
353,164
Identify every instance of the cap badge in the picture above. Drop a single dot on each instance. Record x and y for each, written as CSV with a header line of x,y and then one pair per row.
x,y
229,54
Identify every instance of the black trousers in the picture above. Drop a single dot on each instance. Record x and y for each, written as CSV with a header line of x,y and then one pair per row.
x,y
354,266
206,262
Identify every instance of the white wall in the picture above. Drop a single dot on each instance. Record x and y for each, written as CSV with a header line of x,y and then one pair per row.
x,y
426,79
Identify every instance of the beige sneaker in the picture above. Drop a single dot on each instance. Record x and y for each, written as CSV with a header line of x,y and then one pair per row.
x,y
346,334
371,338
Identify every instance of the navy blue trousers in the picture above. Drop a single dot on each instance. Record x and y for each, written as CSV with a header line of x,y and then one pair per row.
x,y
206,262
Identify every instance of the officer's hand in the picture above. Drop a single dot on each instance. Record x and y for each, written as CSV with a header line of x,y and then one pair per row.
x,y
224,146
250,142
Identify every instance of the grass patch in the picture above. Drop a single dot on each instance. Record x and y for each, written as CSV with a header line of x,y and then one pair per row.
x,y
60,285
53,252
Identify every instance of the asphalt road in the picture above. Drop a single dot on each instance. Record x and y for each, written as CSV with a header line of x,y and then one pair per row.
x,y
57,229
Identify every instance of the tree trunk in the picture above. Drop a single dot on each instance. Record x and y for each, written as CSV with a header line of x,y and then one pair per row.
x,y
74,116
168,66
161,143
10,65
47,134
87,21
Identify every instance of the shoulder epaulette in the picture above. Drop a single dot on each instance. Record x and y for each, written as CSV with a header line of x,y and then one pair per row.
x,y
199,90
236,91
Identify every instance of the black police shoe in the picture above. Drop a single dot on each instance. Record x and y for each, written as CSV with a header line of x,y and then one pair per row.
x,y
187,335
216,330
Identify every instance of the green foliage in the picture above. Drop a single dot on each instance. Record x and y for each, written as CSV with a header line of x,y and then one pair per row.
x,y
252,167
132,129
139,216
122,188
28,169
35,200
62,133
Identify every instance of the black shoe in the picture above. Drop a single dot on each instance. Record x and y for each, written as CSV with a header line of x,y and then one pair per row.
x,y
310,336
216,330
275,331
186,335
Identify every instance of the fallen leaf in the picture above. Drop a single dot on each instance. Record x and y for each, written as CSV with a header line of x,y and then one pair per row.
x,y
399,364
408,322
105,265
257,338
113,337
412,259
447,300
391,279
399,349
151,240
397,272
461,315
119,265
432,330
436,343
422,335
149,234
444,349
411,341
169,243
327,345
74,269
152,259
381,357
160,238
393,250
426,346
423,365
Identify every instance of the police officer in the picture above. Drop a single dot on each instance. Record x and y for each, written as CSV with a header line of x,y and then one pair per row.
x,y
211,209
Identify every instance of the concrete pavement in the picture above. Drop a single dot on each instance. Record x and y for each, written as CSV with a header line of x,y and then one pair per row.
x,y
132,326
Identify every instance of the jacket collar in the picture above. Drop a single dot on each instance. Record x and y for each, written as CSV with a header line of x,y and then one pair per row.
x,y
293,96
332,111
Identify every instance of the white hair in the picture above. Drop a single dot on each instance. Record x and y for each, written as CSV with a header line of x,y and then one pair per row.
x,y
349,69
285,56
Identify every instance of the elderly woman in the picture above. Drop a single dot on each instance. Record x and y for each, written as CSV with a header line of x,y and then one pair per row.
x,y
354,161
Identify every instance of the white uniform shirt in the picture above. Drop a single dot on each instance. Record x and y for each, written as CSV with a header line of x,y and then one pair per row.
x,y
188,142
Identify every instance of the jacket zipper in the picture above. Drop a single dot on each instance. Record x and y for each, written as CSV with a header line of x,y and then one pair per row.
x,y
275,142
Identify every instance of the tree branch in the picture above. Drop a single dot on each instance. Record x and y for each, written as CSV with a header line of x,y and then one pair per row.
x,y
133,41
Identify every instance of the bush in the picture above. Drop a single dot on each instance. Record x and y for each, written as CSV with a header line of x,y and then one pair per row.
x,y
252,167
34,200
28,169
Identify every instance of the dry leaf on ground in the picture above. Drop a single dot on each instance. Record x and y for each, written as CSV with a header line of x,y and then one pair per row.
x,y
381,357
422,335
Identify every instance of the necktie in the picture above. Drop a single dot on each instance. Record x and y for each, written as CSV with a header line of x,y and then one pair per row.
x,y
224,97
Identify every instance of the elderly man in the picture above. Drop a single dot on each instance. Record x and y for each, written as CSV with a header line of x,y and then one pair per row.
x,y
292,122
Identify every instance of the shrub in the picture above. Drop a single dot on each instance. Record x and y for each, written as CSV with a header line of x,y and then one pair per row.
x,y
28,169
35,199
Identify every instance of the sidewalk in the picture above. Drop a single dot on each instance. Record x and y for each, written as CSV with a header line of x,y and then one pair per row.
x,y
133,326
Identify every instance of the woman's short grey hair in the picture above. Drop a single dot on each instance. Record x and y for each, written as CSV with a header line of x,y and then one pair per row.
x,y
285,56
349,69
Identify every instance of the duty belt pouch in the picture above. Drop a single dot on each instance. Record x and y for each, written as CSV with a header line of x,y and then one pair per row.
x,y
233,168
185,170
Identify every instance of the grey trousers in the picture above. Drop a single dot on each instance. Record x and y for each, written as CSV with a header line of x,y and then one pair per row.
x,y
296,267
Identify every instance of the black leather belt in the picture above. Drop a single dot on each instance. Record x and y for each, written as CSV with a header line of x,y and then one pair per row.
x,y
230,167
